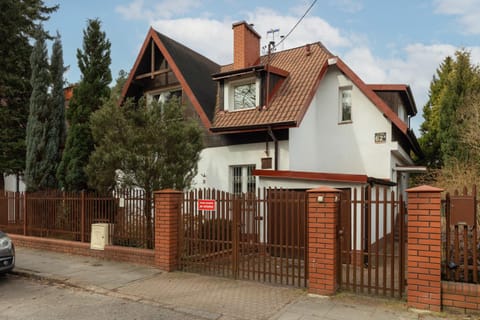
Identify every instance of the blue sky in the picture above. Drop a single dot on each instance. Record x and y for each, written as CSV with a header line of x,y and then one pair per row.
x,y
382,41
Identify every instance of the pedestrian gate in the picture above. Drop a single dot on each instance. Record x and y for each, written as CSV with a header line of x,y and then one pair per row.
x,y
255,236
371,242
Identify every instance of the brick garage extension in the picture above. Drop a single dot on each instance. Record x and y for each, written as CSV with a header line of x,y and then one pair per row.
x,y
322,240
424,248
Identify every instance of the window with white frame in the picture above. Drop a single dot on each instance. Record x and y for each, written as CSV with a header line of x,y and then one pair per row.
x,y
164,96
345,106
243,179
242,94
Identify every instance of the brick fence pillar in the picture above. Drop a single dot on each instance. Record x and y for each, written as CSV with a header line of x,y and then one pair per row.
x,y
424,248
322,218
167,210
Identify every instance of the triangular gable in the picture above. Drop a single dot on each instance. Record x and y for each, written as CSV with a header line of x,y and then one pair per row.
x,y
379,103
371,95
191,69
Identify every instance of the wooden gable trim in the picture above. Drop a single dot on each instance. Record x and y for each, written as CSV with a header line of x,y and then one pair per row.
x,y
183,82
399,88
372,96
152,35
388,87
278,71
130,78
312,93
314,176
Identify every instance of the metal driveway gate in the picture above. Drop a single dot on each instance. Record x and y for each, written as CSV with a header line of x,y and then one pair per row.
x,y
371,242
249,236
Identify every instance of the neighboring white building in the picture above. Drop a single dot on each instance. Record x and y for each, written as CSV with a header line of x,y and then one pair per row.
x,y
297,118
13,183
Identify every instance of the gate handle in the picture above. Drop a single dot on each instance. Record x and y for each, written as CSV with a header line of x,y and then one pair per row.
x,y
340,232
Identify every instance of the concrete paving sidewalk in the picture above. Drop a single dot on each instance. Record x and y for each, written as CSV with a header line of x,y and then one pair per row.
x,y
205,297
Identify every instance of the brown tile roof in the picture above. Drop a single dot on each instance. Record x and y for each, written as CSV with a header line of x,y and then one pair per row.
x,y
306,68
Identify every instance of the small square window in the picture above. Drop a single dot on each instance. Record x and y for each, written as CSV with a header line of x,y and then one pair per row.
x,y
244,96
346,104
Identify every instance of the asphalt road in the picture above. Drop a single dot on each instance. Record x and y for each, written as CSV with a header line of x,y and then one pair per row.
x,y
29,299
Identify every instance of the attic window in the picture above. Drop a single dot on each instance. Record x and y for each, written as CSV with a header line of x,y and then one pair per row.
x,y
345,105
242,94
164,96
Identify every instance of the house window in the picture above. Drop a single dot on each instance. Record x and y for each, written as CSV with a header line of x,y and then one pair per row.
x,y
242,94
243,179
164,96
345,104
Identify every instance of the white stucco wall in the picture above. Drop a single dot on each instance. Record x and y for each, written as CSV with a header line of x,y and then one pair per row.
x,y
214,165
323,144
319,144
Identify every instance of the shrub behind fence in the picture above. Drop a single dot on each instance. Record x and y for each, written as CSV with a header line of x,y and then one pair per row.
x,y
69,216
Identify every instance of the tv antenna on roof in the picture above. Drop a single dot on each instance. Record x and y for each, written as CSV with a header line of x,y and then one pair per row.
x,y
272,32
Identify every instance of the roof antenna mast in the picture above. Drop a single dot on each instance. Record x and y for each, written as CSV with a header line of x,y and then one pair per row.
x,y
271,46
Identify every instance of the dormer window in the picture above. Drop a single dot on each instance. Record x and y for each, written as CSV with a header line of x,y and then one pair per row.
x,y
242,94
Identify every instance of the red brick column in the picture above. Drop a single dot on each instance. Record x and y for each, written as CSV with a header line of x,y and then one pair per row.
x,y
424,248
167,210
322,240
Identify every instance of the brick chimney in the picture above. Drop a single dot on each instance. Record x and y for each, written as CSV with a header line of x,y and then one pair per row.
x,y
246,45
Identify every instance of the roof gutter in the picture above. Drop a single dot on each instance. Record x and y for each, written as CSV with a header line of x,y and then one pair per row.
x,y
237,72
253,127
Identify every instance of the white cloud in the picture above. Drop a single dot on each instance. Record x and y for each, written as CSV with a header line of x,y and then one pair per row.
x,y
416,67
414,64
209,37
468,12
312,29
150,10
198,33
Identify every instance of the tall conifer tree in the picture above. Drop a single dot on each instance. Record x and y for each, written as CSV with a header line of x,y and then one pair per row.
x,y
462,81
17,24
56,133
37,132
94,63
430,140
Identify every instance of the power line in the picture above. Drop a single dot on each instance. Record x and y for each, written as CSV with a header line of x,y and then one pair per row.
x,y
298,22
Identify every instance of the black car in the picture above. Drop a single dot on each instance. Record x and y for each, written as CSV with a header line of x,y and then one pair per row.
x,y
7,253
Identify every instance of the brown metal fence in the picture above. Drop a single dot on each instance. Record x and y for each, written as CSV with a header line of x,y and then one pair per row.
x,y
250,236
461,249
372,242
69,216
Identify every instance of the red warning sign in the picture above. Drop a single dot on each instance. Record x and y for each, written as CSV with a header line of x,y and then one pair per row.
x,y
206,204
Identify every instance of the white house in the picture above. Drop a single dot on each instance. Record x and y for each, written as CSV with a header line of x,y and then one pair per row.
x,y
295,119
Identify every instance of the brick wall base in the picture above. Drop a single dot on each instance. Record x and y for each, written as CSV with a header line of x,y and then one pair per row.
x,y
461,297
115,253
